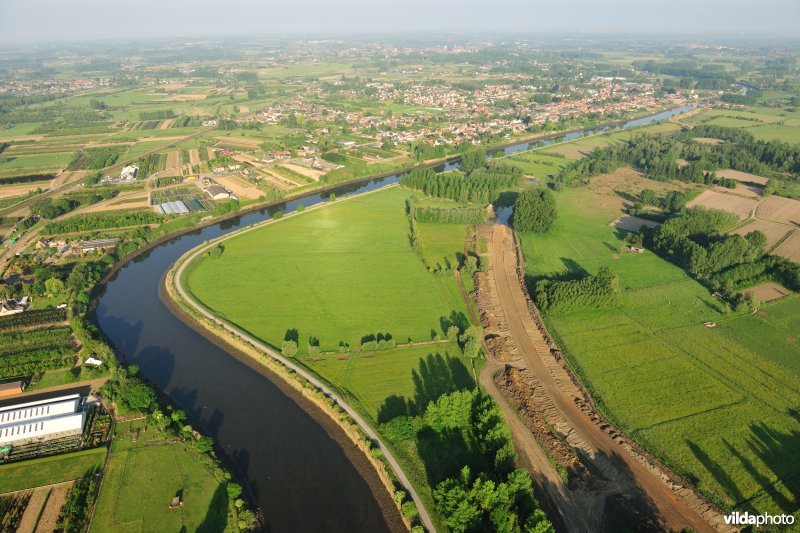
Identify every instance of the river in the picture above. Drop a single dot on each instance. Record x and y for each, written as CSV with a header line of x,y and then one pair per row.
x,y
296,472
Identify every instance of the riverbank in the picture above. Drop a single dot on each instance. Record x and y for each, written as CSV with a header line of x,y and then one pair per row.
x,y
301,380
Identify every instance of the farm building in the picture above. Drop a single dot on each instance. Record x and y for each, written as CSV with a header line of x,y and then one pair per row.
x,y
172,208
12,307
217,192
42,420
11,387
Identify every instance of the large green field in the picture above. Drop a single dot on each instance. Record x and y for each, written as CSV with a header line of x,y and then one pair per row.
x,y
338,274
49,470
718,405
140,483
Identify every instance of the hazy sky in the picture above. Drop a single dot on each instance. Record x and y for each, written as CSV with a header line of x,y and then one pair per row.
x,y
26,21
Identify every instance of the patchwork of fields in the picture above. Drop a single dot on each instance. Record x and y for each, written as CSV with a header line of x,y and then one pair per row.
x,y
719,405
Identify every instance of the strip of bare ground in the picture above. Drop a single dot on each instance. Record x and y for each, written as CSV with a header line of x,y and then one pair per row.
x,y
629,478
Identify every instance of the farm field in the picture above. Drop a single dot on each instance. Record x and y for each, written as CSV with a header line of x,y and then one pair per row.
x,y
773,231
716,404
50,470
784,210
790,247
140,483
741,207
741,176
298,275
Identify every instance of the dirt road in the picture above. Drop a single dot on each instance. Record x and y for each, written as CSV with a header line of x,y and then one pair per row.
x,y
605,453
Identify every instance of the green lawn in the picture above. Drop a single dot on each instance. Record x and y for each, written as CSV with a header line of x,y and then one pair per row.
x,y
49,470
716,404
141,482
339,273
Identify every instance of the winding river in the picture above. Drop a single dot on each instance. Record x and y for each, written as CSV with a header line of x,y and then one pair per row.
x,y
297,472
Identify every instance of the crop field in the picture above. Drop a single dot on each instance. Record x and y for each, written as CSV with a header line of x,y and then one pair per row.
x,y
299,275
790,247
716,404
140,483
50,470
773,231
23,353
536,163
739,206
741,176
778,209
768,292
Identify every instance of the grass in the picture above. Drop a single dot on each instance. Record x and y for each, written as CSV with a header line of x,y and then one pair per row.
x,y
49,470
338,274
141,482
717,405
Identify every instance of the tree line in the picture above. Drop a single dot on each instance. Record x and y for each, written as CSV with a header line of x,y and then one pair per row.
x,y
481,185
162,114
450,215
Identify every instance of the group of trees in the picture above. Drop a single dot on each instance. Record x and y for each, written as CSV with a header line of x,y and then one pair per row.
x,y
657,157
573,295
695,239
534,211
162,114
478,488
99,221
95,158
481,185
50,208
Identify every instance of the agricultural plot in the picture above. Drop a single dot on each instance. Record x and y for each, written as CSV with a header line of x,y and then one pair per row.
x,y
24,353
190,196
790,247
738,205
716,403
779,209
773,231
240,187
744,177
140,483
305,267
536,163
768,292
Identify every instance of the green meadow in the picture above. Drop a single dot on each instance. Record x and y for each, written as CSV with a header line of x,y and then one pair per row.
x,y
718,405
338,274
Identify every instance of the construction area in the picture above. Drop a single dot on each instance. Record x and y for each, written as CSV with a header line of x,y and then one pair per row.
x,y
584,468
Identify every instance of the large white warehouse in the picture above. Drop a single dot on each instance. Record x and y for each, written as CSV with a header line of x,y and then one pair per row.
x,y
43,419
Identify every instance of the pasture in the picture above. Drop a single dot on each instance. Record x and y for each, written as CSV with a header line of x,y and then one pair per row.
x,y
718,405
337,273
140,483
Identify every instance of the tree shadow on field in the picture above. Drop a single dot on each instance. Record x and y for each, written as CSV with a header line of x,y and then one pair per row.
x,y
720,475
436,375
292,335
216,518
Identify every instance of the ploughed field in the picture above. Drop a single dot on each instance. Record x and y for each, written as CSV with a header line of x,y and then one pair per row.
x,y
719,405
338,274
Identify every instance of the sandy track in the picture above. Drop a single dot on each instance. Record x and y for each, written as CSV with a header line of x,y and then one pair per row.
x,y
194,156
31,514
606,453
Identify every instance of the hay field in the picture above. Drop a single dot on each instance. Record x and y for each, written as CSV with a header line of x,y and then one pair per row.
x,y
18,189
772,230
194,156
790,248
741,176
741,207
780,209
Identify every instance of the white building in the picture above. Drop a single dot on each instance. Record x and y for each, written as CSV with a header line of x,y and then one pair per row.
x,y
128,173
41,420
